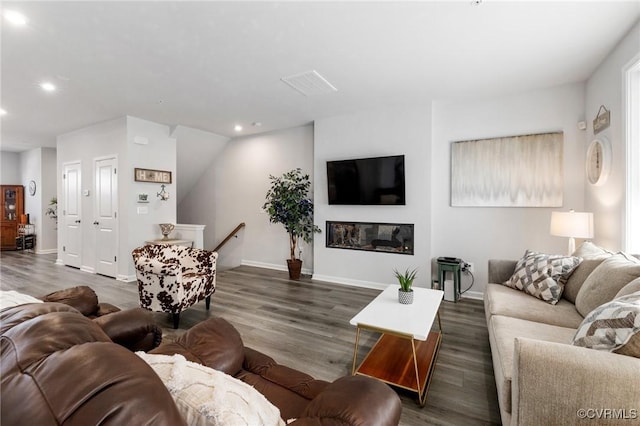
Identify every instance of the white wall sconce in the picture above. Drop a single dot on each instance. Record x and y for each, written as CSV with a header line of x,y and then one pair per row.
x,y
163,194
571,224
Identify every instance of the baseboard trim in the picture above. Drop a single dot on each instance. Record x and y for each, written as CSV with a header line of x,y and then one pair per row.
x,y
47,251
126,278
88,269
475,295
59,262
273,266
349,282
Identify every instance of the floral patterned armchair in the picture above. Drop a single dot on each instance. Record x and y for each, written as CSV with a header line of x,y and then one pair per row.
x,y
173,278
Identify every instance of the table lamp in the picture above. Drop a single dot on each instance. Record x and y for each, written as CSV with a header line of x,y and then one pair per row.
x,y
572,224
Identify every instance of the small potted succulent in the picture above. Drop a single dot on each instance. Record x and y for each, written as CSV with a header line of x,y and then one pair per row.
x,y
405,279
288,203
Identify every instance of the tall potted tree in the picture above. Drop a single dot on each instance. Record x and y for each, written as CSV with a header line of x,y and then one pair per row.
x,y
287,202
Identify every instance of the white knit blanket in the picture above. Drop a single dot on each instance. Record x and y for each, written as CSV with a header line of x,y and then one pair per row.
x,y
206,396
13,298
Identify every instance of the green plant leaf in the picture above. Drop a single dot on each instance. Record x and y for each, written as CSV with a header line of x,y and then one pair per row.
x,y
406,278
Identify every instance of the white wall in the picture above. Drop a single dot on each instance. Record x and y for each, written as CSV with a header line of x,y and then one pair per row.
x,y
479,234
9,168
115,137
195,151
30,170
158,154
370,134
605,87
233,188
48,236
39,165
84,146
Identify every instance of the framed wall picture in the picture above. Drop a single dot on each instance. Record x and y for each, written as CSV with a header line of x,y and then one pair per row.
x,y
149,175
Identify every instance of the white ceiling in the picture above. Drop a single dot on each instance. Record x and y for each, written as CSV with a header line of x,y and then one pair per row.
x,y
210,65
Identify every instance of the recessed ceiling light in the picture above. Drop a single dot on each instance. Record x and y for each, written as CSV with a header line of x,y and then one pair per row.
x,y
15,17
47,87
3,111
238,128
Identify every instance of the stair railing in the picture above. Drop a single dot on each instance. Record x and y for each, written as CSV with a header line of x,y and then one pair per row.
x,y
231,235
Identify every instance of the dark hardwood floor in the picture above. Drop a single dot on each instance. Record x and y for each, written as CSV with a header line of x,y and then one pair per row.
x,y
304,325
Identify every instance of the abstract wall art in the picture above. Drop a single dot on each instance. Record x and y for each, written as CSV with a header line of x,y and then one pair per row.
x,y
514,171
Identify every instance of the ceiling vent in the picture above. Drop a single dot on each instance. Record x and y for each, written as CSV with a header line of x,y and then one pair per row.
x,y
309,83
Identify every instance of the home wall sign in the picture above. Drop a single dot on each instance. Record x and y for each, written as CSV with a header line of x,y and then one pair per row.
x,y
381,237
602,120
514,171
149,175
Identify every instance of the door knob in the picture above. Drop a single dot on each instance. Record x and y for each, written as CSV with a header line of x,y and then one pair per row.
x,y
96,223
78,221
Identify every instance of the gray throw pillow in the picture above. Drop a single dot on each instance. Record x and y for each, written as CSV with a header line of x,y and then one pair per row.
x,y
613,327
606,280
588,250
577,278
632,287
539,275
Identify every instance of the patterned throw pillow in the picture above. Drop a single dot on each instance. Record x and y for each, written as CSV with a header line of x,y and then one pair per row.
x,y
539,275
613,327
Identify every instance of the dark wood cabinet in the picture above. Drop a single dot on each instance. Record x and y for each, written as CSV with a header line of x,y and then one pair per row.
x,y
12,209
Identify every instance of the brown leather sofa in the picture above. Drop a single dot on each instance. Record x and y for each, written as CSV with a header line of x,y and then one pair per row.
x,y
84,299
59,367
133,328
350,400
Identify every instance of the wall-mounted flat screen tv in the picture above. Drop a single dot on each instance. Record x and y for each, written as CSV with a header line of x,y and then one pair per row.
x,y
367,181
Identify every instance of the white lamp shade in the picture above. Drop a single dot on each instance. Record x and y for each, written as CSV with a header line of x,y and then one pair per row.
x,y
572,224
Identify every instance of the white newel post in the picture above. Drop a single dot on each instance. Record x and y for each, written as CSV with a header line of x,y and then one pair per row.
x,y
193,233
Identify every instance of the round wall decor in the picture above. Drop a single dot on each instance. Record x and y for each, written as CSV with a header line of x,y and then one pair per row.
x,y
598,161
32,187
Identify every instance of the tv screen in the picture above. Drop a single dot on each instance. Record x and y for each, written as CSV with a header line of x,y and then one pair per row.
x,y
367,181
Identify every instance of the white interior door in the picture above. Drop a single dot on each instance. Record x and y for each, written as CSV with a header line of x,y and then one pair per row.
x,y
106,216
71,215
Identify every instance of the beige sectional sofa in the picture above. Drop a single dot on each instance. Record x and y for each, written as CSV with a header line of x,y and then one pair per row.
x,y
541,377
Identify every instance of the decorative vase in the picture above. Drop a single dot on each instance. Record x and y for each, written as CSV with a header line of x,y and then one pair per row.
x,y
295,266
405,297
166,229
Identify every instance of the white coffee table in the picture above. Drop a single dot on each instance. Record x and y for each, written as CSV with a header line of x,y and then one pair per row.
x,y
406,352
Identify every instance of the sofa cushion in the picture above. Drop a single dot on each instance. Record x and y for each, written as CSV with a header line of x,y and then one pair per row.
x,y
574,282
503,333
286,388
588,250
606,280
82,298
632,287
539,274
214,343
501,300
206,396
613,327
60,368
